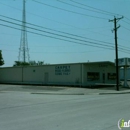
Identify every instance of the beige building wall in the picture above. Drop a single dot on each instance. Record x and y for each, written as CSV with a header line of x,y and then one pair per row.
x,y
104,70
66,74
33,74
11,74
52,74
80,74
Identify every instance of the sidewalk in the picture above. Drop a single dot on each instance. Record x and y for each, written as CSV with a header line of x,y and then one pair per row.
x,y
62,90
85,91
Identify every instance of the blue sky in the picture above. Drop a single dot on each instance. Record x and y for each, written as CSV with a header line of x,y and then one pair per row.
x,y
55,51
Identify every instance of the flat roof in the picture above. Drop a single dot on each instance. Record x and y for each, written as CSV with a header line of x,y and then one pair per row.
x,y
96,62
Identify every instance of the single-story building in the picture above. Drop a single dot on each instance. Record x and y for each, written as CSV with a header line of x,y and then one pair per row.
x,y
75,74
122,77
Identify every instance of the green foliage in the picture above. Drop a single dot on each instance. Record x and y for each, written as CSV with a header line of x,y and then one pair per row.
x,y
1,59
19,63
36,63
31,63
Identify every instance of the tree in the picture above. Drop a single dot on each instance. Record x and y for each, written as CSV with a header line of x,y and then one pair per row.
x,y
20,63
40,63
1,59
34,63
31,63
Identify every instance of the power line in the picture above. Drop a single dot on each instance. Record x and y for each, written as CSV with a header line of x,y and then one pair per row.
x,y
99,46
57,34
55,30
124,46
103,12
110,48
69,10
39,46
53,52
121,50
127,18
126,28
62,35
126,22
66,52
40,16
123,41
55,20
110,13
60,22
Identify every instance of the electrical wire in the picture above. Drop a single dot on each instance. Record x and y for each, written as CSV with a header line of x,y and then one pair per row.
x,y
39,16
39,46
62,35
54,33
55,30
127,18
56,21
86,8
60,38
126,22
110,48
69,10
53,52
113,14
65,52
58,31
126,28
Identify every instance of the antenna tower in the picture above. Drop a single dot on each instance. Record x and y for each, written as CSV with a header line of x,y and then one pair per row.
x,y
23,50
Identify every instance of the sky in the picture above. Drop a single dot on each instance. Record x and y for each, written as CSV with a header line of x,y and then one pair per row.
x,y
71,31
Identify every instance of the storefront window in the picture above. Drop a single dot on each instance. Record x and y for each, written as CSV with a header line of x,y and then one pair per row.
x,y
92,76
111,76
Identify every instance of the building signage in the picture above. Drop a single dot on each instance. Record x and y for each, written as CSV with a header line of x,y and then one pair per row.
x,y
128,61
62,70
123,62
103,65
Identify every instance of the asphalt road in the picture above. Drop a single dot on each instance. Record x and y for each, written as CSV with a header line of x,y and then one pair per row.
x,y
26,111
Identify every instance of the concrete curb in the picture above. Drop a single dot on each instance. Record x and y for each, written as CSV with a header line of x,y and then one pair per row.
x,y
60,93
53,93
114,93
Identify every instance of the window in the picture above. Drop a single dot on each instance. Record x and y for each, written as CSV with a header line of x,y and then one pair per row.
x,y
92,76
111,76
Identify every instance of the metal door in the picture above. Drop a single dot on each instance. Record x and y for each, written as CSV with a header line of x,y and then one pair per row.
x,y
103,77
46,77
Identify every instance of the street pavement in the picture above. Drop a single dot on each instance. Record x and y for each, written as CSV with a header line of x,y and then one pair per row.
x,y
21,109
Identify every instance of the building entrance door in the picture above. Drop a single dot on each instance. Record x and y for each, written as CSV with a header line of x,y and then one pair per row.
x,y
46,77
103,77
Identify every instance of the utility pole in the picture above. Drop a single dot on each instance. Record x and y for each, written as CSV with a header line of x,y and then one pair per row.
x,y
23,50
115,20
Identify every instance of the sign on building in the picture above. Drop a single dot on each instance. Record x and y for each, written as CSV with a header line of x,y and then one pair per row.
x,y
62,70
123,62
